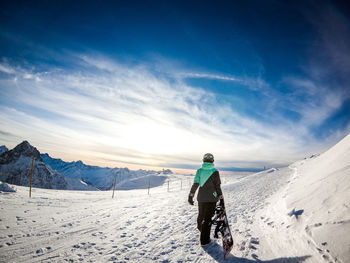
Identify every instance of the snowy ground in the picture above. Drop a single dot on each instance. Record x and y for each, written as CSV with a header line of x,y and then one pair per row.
x,y
73,226
90,226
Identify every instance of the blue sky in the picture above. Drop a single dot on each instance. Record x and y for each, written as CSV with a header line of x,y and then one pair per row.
x,y
159,83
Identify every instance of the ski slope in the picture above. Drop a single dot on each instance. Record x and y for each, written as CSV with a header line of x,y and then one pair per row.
x,y
58,225
90,226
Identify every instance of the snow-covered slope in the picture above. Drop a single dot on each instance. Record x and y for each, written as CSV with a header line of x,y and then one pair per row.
x,y
4,187
15,166
317,199
142,182
100,177
321,187
73,226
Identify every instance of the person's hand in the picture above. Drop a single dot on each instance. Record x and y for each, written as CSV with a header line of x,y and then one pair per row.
x,y
190,199
221,202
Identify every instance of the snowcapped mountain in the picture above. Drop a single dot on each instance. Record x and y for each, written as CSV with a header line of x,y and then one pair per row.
x,y
3,149
103,177
55,173
15,166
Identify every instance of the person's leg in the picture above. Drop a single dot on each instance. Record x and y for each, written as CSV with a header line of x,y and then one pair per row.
x,y
208,213
200,216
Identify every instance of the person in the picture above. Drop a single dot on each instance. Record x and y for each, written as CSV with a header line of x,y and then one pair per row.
x,y
208,180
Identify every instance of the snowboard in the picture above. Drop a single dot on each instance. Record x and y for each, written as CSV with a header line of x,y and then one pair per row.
x,y
222,227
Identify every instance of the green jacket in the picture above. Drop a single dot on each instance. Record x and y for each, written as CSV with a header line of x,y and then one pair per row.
x,y
208,180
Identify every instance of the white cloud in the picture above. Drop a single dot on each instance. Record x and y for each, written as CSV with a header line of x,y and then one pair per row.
x,y
210,76
6,69
127,113
252,83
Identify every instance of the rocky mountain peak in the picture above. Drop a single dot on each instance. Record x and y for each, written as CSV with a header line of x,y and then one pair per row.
x,y
23,149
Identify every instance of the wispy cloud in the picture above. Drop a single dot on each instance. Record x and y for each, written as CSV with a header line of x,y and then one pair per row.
x,y
211,76
314,101
103,111
252,83
6,69
324,89
130,108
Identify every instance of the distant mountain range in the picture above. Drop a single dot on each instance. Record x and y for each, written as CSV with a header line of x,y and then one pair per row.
x,y
55,173
100,177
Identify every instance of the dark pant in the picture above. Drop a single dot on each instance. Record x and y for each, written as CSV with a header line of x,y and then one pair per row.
x,y
205,213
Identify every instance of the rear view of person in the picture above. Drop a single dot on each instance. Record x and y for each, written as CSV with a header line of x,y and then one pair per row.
x,y
208,180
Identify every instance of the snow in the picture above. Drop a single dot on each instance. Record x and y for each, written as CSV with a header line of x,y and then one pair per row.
x,y
90,226
319,189
4,187
133,227
142,182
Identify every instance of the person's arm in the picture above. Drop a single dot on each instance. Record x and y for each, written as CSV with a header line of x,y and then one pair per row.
x,y
193,189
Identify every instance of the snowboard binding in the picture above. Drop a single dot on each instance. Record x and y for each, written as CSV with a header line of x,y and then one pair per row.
x,y
219,221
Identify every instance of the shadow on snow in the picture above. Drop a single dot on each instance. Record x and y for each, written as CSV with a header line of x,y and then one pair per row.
x,y
215,251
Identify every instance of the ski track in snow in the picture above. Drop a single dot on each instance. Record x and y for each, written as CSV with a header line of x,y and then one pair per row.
x,y
73,226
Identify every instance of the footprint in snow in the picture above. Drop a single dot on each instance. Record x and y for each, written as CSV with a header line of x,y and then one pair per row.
x,y
254,240
252,247
39,251
242,246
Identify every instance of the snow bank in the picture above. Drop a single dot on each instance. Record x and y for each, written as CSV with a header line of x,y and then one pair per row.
x,y
142,182
4,187
311,213
321,186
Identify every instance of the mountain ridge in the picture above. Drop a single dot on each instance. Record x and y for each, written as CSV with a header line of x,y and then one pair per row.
x,y
15,165
15,168
100,177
